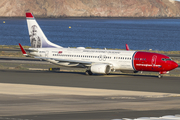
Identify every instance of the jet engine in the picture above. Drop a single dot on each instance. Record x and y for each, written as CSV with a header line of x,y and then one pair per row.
x,y
100,68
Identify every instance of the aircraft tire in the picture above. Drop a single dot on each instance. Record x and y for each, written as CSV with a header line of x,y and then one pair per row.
x,y
108,74
88,72
160,76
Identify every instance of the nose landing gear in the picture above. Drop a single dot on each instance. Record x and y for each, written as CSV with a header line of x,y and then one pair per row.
x,y
160,76
162,72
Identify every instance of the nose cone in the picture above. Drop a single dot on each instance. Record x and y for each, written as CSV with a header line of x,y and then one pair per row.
x,y
174,65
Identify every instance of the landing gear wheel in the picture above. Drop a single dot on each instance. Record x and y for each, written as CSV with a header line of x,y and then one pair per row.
x,y
88,72
107,73
160,76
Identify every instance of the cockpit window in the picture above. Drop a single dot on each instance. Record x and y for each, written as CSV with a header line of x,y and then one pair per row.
x,y
166,59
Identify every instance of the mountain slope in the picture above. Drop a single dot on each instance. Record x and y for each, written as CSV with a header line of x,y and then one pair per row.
x,y
89,8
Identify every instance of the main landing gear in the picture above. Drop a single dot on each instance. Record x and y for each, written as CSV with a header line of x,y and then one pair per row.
x,y
88,72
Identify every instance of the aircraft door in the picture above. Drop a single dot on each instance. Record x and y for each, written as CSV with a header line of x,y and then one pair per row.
x,y
153,62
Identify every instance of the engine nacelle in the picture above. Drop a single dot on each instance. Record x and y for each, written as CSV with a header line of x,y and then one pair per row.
x,y
101,68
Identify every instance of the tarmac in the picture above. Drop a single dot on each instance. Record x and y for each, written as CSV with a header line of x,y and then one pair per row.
x,y
45,95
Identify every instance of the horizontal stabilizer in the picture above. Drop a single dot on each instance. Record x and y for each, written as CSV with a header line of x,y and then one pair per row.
x,y
23,51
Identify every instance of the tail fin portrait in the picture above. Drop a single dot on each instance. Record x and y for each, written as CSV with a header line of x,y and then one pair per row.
x,y
37,37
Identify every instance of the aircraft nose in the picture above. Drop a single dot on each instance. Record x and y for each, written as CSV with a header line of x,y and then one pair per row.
x,y
174,65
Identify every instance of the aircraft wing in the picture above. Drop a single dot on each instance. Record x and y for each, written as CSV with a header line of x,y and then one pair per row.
x,y
66,60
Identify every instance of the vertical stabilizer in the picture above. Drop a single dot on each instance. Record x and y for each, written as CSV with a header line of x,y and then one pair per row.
x,y
37,37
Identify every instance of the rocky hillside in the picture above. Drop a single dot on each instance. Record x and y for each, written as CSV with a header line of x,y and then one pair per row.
x,y
90,8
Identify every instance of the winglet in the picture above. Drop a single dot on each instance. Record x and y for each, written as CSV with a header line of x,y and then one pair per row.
x,y
29,15
22,49
127,47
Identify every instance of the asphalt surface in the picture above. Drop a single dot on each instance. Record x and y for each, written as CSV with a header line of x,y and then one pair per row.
x,y
11,50
79,79
20,59
94,115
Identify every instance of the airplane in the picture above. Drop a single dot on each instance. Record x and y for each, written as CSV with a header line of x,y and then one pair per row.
x,y
95,61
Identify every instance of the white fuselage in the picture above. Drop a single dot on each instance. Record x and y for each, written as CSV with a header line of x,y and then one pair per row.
x,y
118,59
94,60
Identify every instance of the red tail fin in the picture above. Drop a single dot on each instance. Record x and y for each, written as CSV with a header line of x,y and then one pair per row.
x,y
127,47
